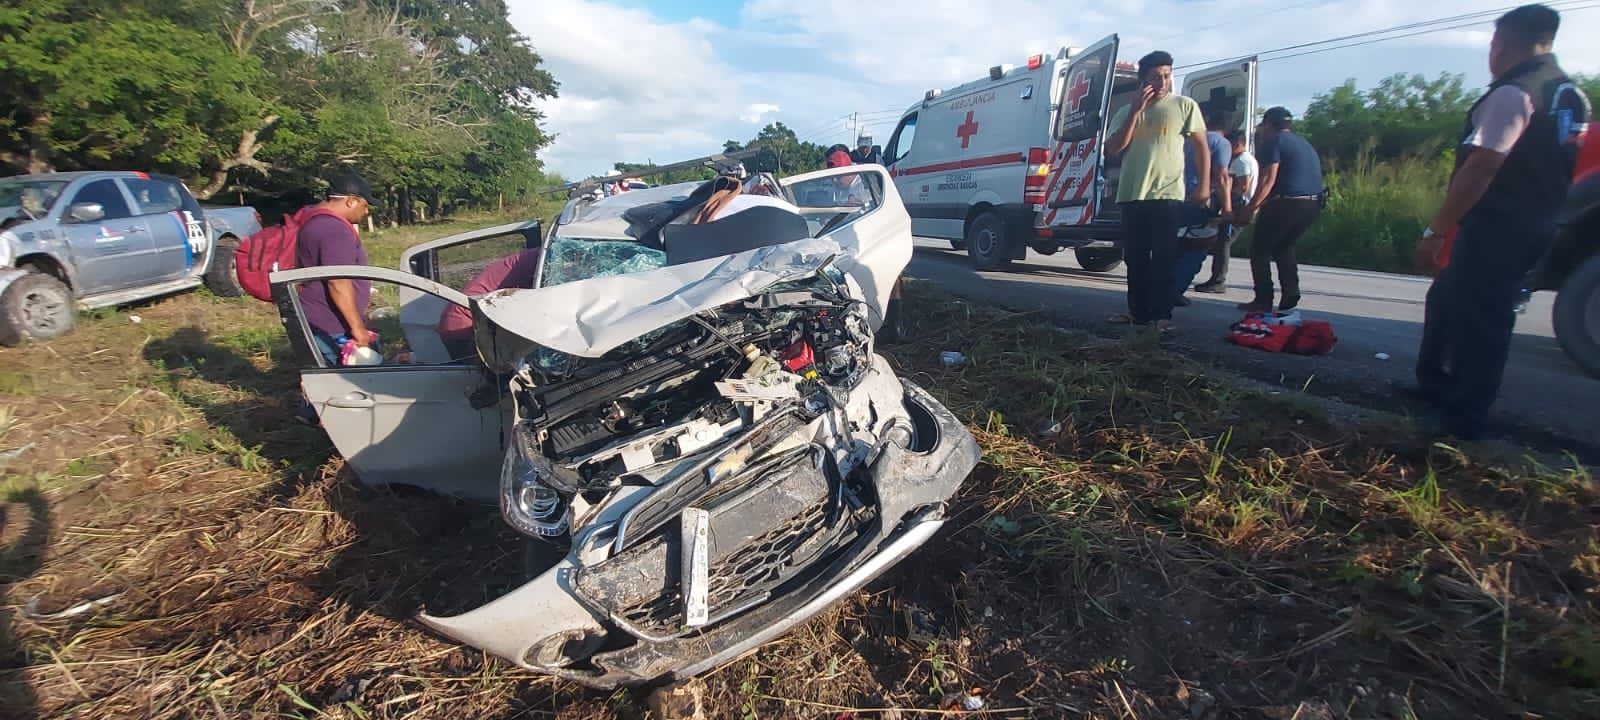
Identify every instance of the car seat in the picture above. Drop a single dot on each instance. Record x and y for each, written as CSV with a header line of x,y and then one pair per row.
x,y
754,228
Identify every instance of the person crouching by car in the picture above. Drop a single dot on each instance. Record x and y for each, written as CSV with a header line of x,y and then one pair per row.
x,y
455,323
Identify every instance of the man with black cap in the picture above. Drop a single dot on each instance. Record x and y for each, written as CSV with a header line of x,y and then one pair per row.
x,y
1512,172
1288,199
336,309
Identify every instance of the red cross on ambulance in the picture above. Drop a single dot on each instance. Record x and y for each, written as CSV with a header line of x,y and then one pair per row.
x,y
966,130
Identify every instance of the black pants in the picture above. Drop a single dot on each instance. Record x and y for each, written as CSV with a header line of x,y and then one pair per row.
x,y
1280,225
1150,249
1466,331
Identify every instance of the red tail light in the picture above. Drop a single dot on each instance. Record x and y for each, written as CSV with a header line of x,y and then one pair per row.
x,y
1033,184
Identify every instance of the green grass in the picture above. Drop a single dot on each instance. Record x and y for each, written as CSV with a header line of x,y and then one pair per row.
x,y
1375,216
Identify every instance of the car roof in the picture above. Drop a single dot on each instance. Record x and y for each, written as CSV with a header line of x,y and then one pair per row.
x,y
74,175
602,219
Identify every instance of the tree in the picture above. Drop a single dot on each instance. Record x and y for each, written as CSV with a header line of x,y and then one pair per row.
x,y
782,153
1404,115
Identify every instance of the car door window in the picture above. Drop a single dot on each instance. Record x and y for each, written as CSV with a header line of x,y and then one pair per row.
x,y
415,326
836,200
459,262
154,196
107,195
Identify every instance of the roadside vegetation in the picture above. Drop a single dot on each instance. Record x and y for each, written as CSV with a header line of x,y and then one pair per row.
x,y
1146,537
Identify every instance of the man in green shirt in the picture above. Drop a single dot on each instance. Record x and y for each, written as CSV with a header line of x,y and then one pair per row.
x,y
1149,135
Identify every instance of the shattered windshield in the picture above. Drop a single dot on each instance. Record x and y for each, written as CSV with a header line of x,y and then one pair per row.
x,y
34,196
573,259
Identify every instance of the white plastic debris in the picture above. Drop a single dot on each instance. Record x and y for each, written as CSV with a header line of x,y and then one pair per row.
x,y
135,319
1382,356
951,358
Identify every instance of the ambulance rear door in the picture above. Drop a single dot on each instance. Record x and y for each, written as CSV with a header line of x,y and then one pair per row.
x,y
1077,161
1230,88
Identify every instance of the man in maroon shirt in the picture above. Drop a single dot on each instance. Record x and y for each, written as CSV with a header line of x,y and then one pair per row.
x,y
511,271
336,309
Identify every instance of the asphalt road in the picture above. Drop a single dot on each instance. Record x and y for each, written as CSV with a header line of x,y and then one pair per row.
x,y
1544,399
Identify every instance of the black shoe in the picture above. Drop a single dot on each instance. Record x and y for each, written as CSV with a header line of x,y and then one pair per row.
x,y
1214,287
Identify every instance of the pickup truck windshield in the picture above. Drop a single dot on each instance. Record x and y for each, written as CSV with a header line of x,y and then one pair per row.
x,y
36,197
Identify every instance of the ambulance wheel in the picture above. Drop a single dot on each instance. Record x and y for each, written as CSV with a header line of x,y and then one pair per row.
x,y
1577,316
1098,259
986,242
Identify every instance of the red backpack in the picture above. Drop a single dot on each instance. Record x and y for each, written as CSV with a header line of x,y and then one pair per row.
x,y
269,250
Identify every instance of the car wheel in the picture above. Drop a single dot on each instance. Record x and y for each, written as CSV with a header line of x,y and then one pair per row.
x,y
1098,259
986,242
36,306
893,330
220,278
1577,316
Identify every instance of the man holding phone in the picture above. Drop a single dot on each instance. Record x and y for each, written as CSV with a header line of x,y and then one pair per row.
x,y
1150,135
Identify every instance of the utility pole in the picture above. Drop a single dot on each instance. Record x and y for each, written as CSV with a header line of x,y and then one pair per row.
x,y
855,128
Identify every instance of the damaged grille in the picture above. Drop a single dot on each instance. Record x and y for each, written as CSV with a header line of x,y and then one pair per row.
x,y
641,588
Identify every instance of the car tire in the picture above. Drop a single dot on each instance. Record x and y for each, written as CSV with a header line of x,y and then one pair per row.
x,y
36,307
220,278
1577,316
986,242
893,330
1096,259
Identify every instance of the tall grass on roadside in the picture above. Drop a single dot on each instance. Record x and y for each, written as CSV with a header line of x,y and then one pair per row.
x,y
1376,213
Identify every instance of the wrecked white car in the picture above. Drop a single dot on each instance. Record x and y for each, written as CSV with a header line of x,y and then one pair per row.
x,y
691,419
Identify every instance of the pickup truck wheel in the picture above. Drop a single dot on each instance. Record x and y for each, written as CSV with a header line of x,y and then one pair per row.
x,y
986,242
34,307
1096,259
1577,316
220,278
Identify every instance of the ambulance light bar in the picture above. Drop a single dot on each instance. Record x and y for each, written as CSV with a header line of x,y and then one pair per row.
x,y
999,71
1034,61
931,94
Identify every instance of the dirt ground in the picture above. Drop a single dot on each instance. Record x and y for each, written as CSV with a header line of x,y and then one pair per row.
x,y
1145,538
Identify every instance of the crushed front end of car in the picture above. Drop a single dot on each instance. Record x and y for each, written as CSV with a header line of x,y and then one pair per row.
x,y
712,481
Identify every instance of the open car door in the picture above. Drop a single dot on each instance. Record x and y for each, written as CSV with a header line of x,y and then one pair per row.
x,y
453,262
433,425
1077,169
1230,88
859,207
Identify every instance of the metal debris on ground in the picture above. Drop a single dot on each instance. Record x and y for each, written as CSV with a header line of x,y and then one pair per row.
x,y
30,609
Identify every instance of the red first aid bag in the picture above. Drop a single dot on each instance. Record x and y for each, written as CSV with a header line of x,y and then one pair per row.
x,y
1256,332
269,250
1314,337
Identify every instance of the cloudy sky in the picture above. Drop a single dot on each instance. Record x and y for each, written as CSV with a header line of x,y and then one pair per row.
x,y
666,80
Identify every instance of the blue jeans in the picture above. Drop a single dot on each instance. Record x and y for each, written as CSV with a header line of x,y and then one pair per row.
x,y
1188,267
328,348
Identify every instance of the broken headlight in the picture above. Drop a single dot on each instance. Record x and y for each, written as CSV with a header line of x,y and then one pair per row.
x,y
528,500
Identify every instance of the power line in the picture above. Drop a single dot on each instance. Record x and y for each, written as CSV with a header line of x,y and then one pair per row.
x,y
1476,16
1574,8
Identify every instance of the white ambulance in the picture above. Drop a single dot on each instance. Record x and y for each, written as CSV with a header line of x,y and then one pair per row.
x,y
1079,209
970,162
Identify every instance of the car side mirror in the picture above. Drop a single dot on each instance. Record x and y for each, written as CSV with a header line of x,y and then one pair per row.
x,y
86,212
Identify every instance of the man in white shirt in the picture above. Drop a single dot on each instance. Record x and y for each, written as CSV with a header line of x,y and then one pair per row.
x,y
1245,171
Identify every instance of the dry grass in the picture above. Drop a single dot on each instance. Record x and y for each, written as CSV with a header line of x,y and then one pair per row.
x,y
1143,538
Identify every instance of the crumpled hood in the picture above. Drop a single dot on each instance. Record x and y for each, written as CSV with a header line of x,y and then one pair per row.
x,y
588,318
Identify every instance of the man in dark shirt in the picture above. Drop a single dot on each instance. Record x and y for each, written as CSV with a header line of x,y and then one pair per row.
x,y
1513,170
336,309
1288,200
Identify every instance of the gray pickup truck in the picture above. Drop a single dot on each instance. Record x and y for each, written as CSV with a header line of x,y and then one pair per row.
x,y
85,240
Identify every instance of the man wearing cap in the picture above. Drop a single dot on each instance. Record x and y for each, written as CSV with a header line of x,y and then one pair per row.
x,y
1288,199
335,308
1512,172
1150,135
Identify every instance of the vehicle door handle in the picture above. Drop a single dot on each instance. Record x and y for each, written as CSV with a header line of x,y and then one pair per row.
x,y
354,401
136,230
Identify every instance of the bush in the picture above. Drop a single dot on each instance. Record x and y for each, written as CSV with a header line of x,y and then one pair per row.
x,y
1376,214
